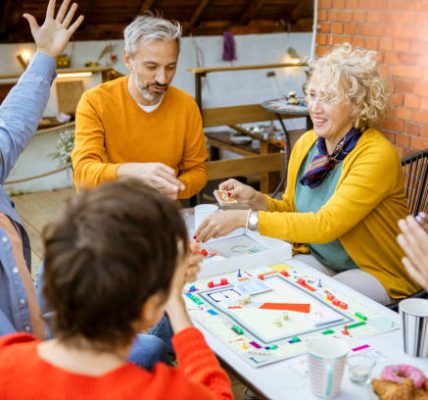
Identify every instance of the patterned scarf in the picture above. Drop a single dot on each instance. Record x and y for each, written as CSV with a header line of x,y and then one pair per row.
x,y
322,163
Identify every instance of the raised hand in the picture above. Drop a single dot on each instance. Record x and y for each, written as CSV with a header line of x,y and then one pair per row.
x,y
52,37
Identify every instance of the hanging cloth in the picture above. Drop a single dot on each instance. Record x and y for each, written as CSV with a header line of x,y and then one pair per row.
x,y
229,48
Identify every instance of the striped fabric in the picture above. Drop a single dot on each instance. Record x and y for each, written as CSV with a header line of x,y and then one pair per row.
x,y
323,163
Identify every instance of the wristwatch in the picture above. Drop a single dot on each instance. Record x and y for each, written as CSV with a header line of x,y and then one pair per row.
x,y
253,220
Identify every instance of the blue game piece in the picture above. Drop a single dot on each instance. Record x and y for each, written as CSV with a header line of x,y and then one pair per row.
x,y
239,273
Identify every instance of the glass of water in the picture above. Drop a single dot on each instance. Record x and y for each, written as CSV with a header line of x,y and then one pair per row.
x,y
360,368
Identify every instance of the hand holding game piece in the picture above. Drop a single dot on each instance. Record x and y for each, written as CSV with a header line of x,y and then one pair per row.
x,y
224,198
155,174
244,194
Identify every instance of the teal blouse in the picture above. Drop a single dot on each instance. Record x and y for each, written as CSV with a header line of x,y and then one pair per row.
x,y
331,255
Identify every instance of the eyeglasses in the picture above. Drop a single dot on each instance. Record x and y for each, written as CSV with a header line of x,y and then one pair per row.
x,y
322,99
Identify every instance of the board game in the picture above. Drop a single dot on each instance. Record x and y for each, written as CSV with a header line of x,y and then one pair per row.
x,y
267,314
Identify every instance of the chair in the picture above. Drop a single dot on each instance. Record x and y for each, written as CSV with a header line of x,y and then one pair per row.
x,y
415,169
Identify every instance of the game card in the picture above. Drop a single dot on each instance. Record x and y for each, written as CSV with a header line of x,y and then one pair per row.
x,y
224,199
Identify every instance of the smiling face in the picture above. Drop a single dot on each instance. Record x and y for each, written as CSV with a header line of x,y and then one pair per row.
x,y
332,118
151,69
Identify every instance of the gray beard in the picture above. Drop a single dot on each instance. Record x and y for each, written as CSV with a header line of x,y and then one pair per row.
x,y
150,97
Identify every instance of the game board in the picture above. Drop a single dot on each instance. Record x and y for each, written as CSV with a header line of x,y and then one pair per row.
x,y
267,314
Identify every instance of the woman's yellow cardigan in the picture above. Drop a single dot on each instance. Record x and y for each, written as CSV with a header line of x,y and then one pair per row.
x,y
362,213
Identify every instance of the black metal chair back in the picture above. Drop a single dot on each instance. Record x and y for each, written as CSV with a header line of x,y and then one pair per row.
x,y
415,169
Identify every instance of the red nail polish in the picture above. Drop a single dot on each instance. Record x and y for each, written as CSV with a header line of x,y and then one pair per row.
x,y
229,194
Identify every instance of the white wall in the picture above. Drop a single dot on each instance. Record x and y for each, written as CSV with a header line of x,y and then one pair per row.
x,y
220,89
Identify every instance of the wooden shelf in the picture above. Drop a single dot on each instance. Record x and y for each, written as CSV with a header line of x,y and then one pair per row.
x,y
66,71
244,67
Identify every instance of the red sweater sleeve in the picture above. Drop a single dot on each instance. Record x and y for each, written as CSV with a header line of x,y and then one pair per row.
x,y
198,362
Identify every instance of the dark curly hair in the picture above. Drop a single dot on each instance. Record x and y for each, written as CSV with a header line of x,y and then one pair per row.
x,y
112,249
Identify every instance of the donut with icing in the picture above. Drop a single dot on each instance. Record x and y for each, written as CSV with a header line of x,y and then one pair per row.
x,y
398,373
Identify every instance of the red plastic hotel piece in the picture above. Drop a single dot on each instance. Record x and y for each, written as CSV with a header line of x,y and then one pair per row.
x,y
223,282
303,283
262,276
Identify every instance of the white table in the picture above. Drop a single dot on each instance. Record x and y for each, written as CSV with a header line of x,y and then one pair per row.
x,y
281,381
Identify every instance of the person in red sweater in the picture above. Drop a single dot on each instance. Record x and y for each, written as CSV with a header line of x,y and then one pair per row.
x,y
115,261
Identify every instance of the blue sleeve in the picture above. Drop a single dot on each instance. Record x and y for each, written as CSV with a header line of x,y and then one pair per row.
x,y
22,109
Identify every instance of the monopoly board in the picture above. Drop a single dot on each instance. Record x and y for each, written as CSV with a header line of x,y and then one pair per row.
x,y
267,314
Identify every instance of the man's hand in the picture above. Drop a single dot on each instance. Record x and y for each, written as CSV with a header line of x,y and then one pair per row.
x,y
157,175
245,194
221,223
414,241
52,37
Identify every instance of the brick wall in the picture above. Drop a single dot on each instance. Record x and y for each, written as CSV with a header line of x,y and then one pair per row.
x,y
398,29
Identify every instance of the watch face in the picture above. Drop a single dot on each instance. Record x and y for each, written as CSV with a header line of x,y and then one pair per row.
x,y
253,221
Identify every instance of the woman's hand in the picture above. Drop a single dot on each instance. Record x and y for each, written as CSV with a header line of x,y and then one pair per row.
x,y
414,241
221,223
245,194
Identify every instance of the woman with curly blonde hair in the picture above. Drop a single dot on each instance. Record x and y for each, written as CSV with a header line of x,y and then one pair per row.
x,y
345,189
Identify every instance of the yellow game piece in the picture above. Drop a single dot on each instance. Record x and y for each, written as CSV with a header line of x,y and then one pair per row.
x,y
281,267
244,300
277,323
285,317
244,346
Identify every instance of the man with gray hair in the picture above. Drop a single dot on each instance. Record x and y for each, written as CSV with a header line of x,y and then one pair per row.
x,y
140,126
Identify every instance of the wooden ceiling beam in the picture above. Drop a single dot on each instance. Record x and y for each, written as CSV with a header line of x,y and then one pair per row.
x,y
146,5
86,8
11,14
196,15
300,10
106,20
251,10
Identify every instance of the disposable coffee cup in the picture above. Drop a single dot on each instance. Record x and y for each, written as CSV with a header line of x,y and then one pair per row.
x,y
202,211
327,359
414,326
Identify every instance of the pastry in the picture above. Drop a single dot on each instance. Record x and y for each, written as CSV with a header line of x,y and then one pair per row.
x,y
401,382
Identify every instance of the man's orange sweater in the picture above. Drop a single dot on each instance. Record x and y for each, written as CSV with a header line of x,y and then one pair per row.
x,y
112,129
24,375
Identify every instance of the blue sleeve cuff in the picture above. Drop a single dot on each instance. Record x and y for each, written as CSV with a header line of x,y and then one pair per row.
x,y
43,66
